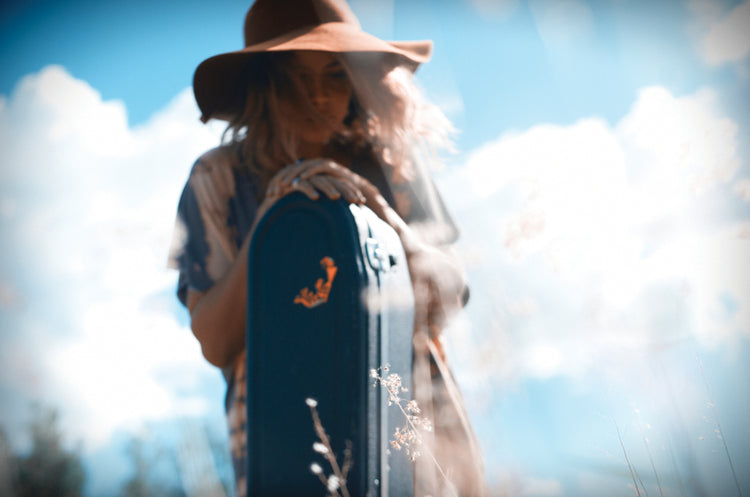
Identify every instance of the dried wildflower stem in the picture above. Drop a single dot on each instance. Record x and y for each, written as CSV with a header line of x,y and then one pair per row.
x,y
627,459
324,481
393,386
718,426
347,460
429,451
676,470
646,445
329,455
653,467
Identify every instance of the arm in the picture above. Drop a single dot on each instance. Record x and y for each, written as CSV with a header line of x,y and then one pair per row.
x,y
218,315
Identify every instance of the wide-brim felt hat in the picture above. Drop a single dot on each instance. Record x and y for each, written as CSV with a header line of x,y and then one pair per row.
x,y
219,82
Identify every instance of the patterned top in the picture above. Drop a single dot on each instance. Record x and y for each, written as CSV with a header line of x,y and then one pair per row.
x,y
215,213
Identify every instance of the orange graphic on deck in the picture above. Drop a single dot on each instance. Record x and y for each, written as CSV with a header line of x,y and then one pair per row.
x,y
313,299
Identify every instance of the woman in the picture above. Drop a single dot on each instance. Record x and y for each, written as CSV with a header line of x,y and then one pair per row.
x,y
316,105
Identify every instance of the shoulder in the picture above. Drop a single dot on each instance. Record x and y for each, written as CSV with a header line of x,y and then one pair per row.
x,y
213,173
219,160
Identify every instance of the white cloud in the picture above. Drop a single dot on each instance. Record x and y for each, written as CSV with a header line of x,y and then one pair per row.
x,y
723,37
89,204
588,242
742,188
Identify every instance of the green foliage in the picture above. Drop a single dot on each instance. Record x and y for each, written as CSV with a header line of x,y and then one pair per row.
x,y
49,470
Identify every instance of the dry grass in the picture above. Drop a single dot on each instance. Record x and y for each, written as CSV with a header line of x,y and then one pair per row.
x,y
407,437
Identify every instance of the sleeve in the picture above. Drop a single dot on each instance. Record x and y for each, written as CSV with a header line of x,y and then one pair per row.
x,y
202,247
189,250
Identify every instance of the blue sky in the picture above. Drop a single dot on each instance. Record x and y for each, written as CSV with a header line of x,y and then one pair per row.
x,y
602,184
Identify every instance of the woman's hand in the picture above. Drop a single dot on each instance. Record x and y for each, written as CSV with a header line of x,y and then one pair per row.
x,y
438,280
315,176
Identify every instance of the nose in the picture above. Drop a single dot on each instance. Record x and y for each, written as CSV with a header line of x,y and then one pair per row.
x,y
317,91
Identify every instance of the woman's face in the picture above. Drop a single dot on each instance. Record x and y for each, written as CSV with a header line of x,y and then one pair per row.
x,y
325,87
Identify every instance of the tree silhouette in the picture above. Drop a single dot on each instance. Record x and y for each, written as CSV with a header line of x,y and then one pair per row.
x,y
52,469
49,470
6,465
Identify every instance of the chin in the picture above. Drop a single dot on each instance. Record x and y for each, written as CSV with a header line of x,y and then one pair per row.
x,y
321,138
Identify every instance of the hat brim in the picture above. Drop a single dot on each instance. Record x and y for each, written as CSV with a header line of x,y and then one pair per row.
x,y
218,82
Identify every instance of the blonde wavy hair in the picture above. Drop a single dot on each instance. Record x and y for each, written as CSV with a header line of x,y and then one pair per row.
x,y
389,117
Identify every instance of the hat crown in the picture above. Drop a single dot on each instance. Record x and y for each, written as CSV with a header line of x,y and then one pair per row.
x,y
268,19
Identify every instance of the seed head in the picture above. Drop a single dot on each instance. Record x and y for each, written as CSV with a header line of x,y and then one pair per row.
x,y
333,483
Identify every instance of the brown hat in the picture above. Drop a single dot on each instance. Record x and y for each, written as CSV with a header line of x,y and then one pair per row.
x,y
284,25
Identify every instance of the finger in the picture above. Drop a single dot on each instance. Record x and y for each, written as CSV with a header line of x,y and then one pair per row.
x,y
306,188
284,179
350,192
295,170
278,185
281,183
272,189
324,166
344,181
354,193
287,174
323,184
301,168
278,189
